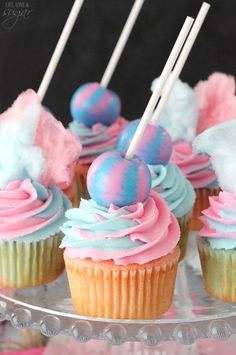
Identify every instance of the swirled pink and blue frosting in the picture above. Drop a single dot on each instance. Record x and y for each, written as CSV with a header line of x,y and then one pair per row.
x,y
133,234
31,212
173,187
196,167
219,221
97,139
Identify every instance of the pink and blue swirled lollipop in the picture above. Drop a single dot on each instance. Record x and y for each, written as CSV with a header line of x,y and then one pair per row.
x,y
92,103
155,146
113,179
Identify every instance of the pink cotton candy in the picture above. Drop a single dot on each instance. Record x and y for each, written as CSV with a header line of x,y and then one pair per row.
x,y
216,100
59,148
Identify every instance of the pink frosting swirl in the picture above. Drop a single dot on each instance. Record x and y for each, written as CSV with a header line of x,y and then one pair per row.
x,y
97,139
196,167
28,209
220,218
149,231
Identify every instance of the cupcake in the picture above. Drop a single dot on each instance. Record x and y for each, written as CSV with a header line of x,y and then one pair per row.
x,y
170,183
32,176
216,103
155,149
121,250
217,238
97,122
198,170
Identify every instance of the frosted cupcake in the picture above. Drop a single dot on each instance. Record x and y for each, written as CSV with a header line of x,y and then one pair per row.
x,y
97,122
179,194
121,258
199,171
155,149
217,241
30,218
32,176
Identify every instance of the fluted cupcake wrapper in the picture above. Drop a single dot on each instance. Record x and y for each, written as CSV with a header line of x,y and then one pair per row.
x,y
81,172
30,264
184,224
201,203
219,271
103,289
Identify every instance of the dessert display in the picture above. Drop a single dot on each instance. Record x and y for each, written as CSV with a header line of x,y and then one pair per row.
x,y
171,184
216,240
122,246
32,176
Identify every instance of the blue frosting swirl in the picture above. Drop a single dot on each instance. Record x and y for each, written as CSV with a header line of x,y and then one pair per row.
x,y
173,187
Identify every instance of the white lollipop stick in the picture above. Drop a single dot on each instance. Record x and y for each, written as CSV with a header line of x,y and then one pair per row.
x,y
121,42
158,88
181,61
59,48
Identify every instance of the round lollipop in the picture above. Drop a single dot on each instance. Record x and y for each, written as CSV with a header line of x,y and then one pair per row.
x,y
93,103
154,148
113,179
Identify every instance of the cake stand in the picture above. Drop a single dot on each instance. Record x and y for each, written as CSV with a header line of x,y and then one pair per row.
x,y
193,315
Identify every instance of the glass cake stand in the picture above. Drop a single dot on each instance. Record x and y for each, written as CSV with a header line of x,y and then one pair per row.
x,y
193,315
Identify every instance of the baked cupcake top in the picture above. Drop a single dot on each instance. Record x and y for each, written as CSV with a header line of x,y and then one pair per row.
x,y
137,233
196,167
96,139
31,212
173,187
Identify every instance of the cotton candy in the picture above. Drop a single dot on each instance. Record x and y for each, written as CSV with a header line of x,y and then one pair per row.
x,y
33,144
180,115
219,142
216,100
